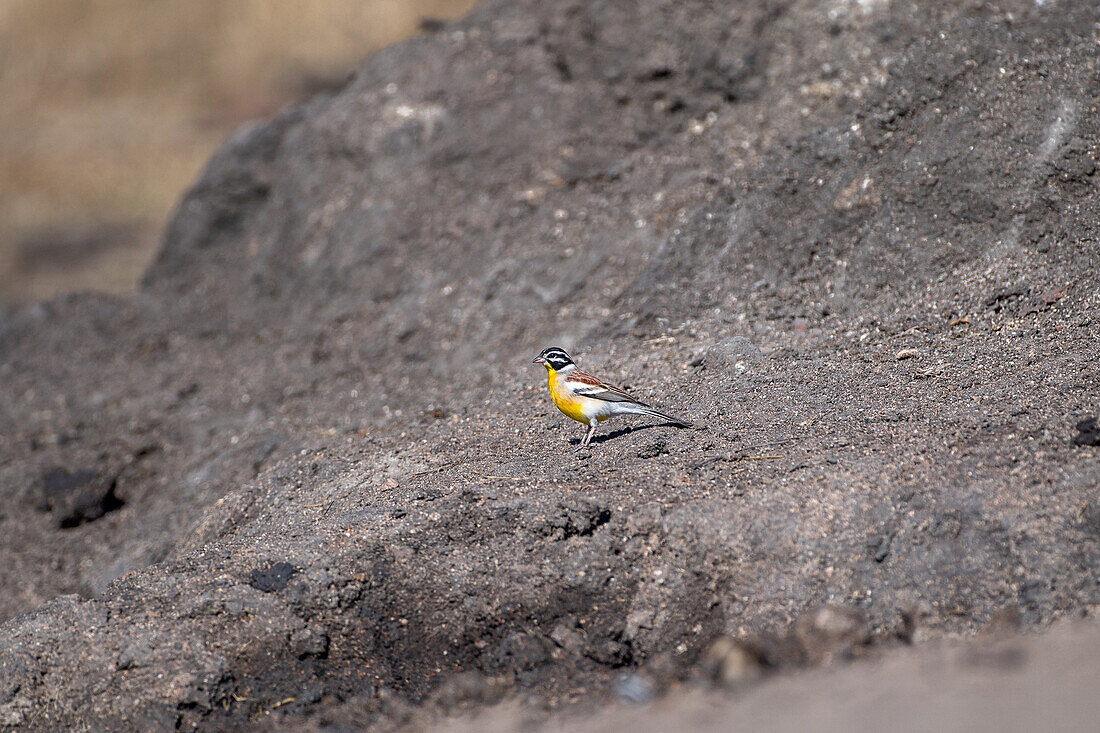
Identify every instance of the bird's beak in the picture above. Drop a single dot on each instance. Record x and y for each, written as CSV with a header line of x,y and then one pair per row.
x,y
538,360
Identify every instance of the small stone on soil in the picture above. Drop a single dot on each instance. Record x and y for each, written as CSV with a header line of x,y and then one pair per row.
x,y
1088,432
274,578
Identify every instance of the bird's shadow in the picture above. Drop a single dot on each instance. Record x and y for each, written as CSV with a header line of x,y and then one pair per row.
x,y
624,431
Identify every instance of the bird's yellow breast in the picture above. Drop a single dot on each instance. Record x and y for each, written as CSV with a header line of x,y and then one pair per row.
x,y
571,405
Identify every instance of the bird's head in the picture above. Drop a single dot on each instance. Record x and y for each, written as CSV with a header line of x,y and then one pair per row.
x,y
554,358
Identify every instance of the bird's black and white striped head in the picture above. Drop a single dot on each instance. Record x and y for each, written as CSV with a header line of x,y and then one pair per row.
x,y
554,358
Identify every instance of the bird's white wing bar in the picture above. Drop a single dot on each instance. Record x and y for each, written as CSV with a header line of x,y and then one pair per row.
x,y
602,392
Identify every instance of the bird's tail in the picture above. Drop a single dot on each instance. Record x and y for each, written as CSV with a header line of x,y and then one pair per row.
x,y
645,410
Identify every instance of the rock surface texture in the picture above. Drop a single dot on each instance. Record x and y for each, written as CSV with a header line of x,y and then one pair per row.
x,y
308,475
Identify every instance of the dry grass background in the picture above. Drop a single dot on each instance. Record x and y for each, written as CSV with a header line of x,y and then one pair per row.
x,y
109,108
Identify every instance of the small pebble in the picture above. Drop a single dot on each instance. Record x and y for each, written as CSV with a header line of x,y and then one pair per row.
x,y
634,688
729,662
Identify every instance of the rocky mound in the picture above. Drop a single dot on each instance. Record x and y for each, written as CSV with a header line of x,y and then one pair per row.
x,y
309,473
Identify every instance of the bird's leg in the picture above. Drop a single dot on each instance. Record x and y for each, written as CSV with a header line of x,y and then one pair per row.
x,y
588,435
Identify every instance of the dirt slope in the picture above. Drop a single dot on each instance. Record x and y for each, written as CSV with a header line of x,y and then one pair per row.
x,y
112,108
309,473
992,684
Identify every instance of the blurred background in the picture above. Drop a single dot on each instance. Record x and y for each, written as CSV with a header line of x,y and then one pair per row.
x,y
109,109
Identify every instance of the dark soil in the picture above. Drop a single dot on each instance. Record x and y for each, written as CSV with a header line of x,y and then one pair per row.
x,y
309,476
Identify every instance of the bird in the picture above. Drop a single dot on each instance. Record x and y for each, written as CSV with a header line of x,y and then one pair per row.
x,y
588,399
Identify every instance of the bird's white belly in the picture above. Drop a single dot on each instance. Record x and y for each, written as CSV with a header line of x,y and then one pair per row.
x,y
592,408
603,409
